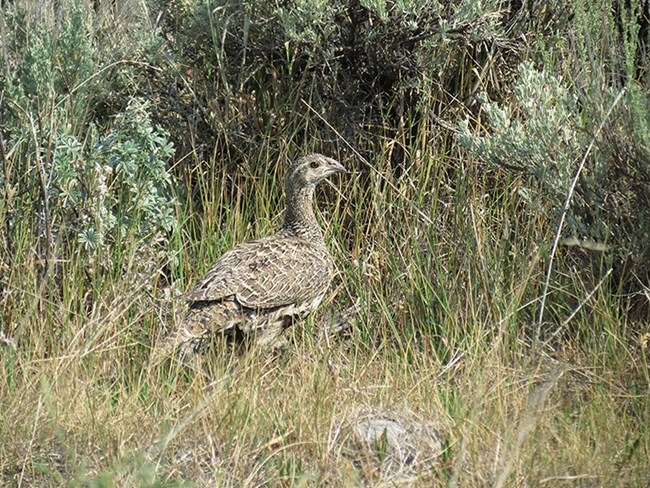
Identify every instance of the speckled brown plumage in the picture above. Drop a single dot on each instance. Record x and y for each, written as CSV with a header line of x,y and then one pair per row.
x,y
258,288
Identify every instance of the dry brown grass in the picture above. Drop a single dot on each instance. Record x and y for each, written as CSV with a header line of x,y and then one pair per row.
x,y
288,420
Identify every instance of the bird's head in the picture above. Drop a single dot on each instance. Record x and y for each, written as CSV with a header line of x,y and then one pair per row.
x,y
312,169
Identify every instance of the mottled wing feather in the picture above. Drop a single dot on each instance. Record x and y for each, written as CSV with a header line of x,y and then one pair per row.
x,y
222,278
267,273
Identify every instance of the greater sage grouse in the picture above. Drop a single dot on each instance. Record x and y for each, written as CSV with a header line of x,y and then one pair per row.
x,y
258,288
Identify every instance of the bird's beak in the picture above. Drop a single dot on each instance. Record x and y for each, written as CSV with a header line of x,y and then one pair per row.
x,y
337,167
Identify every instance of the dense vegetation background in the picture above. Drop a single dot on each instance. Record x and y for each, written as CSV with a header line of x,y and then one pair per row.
x,y
493,237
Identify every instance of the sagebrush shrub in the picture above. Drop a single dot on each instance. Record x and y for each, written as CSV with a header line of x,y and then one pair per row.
x,y
91,180
545,132
113,191
372,63
133,195
540,133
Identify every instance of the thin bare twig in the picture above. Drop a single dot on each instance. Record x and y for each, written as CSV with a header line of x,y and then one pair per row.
x,y
567,204
578,308
45,183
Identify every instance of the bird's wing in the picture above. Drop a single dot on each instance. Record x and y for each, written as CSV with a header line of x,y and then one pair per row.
x,y
267,273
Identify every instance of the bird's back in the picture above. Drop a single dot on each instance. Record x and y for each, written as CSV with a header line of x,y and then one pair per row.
x,y
274,271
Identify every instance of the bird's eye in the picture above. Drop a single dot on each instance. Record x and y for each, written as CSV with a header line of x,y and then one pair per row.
x,y
314,164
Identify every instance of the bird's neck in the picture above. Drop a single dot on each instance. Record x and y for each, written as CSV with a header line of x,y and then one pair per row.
x,y
299,218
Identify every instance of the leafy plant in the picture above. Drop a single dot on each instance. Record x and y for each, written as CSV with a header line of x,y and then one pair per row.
x,y
123,189
550,122
540,133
